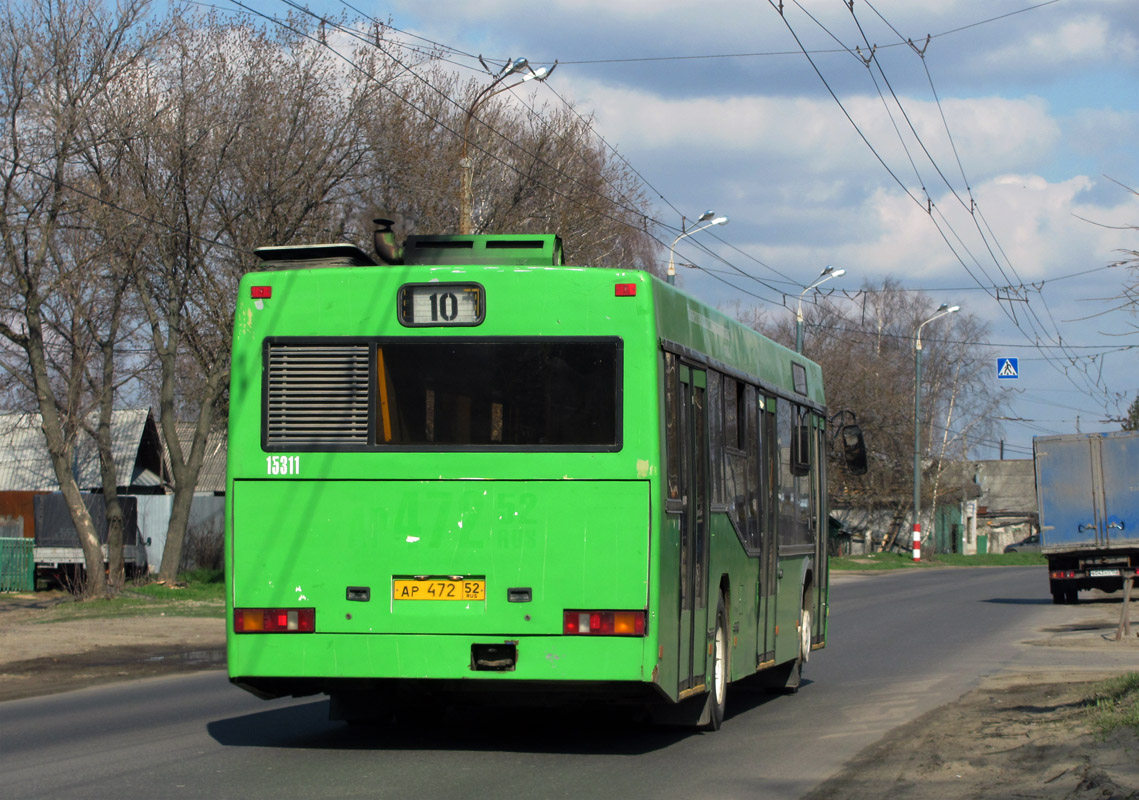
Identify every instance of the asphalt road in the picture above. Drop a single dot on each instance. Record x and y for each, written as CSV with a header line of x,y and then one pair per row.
x,y
900,644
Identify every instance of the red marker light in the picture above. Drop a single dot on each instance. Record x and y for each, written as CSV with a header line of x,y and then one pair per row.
x,y
603,623
625,290
261,292
274,620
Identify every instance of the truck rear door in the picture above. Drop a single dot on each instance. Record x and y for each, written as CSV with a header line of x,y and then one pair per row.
x,y
1119,457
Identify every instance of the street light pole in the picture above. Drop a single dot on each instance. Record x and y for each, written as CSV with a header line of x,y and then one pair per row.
x,y
827,273
466,165
941,312
712,219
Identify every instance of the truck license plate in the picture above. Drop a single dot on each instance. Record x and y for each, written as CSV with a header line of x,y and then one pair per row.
x,y
1103,573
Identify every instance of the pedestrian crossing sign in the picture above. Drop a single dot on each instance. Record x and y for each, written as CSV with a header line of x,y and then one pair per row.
x,y
1008,369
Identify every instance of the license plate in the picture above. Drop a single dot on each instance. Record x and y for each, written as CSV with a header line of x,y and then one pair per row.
x,y
439,589
1103,573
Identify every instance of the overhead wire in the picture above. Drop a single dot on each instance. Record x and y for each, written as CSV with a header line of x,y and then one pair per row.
x,y
813,51
628,208
396,60
1039,328
1039,333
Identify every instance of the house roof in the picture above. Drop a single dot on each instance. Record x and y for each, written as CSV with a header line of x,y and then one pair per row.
x,y
135,444
211,478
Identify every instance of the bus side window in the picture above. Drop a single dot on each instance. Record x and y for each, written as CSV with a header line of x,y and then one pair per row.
x,y
769,468
716,390
672,425
801,443
751,444
734,458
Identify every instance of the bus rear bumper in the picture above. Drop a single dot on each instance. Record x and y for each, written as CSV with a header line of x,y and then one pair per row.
x,y
277,665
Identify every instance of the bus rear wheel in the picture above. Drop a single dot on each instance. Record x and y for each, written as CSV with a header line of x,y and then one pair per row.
x,y
719,671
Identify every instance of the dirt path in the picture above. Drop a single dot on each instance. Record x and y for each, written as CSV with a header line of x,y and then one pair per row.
x,y
1024,740
39,657
1017,736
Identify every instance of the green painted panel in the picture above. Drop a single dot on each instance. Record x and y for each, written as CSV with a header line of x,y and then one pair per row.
x,y
573,544
729,564
546,658
788,604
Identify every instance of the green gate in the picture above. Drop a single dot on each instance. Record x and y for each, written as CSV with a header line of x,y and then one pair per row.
x,y
17,565
948,529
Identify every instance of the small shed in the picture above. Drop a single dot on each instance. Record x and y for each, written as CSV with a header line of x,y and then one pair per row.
x,y
1005,507
27,479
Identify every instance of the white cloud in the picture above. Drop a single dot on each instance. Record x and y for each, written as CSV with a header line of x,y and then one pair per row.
x,y
1087,39
813,136
1039,227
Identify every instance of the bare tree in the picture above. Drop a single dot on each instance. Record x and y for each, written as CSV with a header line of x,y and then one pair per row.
x,y
58,62
534,170
252,142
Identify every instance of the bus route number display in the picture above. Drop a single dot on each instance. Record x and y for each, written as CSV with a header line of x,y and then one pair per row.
x,y
441,304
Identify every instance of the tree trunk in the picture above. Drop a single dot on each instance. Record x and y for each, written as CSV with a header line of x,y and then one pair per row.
x,y
185,469
116,566
61,453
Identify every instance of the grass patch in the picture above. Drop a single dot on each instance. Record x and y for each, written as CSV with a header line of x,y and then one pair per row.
x,y
1115,704
990,560
884,561
196,594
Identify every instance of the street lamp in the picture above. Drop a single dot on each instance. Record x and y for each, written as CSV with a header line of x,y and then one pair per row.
x,y
511,67
827,273
708,216
943,310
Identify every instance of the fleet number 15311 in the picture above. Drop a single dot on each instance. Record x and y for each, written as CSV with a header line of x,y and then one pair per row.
x,y
283,465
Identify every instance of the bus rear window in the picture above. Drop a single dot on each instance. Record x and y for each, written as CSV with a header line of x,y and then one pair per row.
x,y
560,393
344,394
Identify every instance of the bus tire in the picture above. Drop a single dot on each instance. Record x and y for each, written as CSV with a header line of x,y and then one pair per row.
x,y
719,672
795,673
786,678
805,634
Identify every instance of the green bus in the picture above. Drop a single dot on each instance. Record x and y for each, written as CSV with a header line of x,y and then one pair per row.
x,y
471,469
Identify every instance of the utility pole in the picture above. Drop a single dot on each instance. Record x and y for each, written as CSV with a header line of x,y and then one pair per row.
x,y
941,312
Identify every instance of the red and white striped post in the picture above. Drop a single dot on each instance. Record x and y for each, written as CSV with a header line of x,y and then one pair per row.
x,y
917,541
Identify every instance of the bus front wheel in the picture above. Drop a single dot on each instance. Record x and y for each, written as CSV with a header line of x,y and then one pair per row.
x,y
786,677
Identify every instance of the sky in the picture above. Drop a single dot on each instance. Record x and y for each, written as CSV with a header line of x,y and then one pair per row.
x,y
979,152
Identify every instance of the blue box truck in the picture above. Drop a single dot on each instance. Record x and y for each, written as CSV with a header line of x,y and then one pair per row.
x,y
1087,495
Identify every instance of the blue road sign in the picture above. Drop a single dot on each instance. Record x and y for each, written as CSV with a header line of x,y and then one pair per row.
x,y
1008,369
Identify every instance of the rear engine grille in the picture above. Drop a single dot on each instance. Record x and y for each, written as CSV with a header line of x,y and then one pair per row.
x,y
317,394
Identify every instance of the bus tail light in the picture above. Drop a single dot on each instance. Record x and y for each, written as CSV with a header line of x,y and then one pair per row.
x,y
274,620
604,623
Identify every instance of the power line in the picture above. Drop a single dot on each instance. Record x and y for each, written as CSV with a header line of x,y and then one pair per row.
x,y
942,224
820,51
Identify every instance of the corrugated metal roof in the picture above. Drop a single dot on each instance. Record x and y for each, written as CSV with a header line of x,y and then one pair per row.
x,y
212,476
25,465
